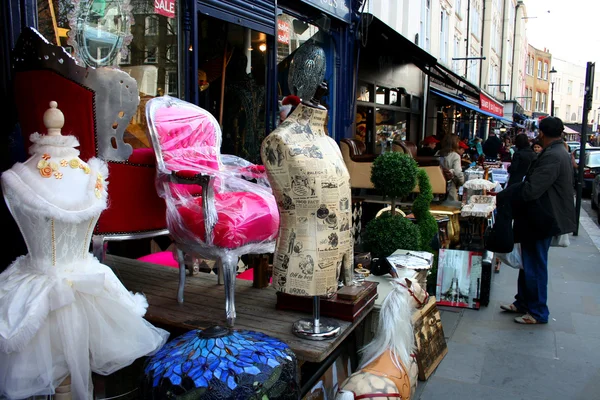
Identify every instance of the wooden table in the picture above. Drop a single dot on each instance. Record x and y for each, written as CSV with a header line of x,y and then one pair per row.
x,y
204,305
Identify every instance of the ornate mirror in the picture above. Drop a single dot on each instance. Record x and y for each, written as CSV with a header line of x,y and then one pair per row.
x,y
100,29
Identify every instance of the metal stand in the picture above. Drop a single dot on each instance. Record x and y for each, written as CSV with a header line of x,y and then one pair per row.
x,y
316,328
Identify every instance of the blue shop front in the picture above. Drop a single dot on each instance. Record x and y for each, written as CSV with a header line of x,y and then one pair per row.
x,y
230,57
233,58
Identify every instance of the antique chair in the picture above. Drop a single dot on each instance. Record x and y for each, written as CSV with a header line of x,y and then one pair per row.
x,y
358,163
214,209
431,165
98,104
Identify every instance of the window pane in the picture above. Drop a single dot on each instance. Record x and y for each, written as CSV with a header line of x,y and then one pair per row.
x,y
381,95
364,91
140,42
295,35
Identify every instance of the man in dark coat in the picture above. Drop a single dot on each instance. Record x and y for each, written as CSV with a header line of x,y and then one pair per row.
x,y
542,207
491,147
521,160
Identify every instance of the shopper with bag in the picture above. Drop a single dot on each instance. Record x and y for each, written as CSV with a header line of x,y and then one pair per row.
x,y
542,207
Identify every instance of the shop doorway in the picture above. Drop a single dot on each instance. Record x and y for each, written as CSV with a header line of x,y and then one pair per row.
x,y
232,76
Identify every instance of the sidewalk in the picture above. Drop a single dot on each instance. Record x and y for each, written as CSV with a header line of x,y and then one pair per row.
x,y
491,357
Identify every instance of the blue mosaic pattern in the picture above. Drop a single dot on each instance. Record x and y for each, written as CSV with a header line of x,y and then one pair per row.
x,y
240,365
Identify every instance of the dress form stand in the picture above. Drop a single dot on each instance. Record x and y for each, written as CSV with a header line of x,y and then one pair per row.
x,y
54,120
312,187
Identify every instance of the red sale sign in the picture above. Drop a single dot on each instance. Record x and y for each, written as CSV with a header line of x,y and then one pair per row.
x,y
490,105
165,7
283,32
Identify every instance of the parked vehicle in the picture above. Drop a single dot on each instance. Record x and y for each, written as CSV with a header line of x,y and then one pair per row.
x,y
591,168
595,194
573,145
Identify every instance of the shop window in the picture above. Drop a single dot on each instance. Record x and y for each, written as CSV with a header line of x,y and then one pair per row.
x,y
537,101
304,38
543,102
381,95
136,41
151,25
151,55
236,95
171,83
364,92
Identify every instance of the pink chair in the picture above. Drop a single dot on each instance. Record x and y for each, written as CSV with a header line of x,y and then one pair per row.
x,y
214,209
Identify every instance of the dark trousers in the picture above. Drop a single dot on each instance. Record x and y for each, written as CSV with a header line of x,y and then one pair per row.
x,y
532,293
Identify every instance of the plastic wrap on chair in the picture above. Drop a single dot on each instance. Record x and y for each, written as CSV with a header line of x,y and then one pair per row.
x,y
213,202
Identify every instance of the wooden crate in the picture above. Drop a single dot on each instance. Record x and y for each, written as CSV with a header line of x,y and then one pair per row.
x,y
430,342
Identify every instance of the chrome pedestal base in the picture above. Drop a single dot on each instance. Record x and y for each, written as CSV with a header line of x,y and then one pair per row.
x,y
320,329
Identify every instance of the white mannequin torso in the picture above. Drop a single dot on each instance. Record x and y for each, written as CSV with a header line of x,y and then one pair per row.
x,y
312,187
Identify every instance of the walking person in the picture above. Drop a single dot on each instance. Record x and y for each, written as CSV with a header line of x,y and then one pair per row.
x,y
492,146
543,207
522,159
451,153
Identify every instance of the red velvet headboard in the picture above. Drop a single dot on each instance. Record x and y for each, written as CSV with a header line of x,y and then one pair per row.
x,y
33,92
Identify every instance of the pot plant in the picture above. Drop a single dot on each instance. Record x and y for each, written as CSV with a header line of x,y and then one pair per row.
x,y
395,175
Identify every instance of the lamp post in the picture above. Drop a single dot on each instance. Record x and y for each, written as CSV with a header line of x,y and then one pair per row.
x,y
552,72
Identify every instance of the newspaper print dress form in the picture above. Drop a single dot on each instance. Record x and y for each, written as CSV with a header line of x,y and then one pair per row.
x,y
312,187
62,313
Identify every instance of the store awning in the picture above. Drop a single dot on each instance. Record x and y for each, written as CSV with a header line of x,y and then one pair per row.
x,y
383,43
469,106
569,130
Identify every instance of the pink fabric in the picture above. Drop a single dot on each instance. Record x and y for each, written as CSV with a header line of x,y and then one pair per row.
x,y
243,217
165,258
187,138
190,139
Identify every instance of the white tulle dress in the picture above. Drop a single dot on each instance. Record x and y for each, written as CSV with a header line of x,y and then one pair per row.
x,y
62,312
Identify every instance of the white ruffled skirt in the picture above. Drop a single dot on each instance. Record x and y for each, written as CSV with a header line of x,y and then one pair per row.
x,y
68,323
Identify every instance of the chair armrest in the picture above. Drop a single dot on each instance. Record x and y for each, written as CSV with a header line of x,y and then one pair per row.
x,y
427,161
190,178
364,158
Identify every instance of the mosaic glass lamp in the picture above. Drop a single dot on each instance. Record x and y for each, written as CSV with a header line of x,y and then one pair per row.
x,y
219,363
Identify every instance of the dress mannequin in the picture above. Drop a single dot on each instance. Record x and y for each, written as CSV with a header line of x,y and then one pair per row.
x,y
312,187
63,315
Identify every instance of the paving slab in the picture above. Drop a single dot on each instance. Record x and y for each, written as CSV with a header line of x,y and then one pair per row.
x,y
538,377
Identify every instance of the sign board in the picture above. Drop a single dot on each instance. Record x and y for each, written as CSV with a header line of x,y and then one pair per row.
x,y
336,8
283,32
165,7
490,105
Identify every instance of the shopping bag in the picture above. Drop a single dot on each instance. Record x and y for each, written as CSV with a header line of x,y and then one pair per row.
x,y
560,241
512,259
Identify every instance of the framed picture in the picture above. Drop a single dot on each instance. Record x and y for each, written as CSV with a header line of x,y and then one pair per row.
x,y
459,278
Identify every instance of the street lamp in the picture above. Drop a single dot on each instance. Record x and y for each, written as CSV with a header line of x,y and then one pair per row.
x,y
552,71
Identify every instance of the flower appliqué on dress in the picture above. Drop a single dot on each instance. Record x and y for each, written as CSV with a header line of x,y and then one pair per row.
x,y
99,185
49,168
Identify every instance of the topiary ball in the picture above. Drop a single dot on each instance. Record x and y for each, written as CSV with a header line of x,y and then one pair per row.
x,y
388,233
394,174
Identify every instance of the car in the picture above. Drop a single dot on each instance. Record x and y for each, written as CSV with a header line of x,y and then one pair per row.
x,y
573,145
591,168
596,194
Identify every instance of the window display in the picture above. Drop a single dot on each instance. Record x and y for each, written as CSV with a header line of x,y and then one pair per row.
x,y
132,35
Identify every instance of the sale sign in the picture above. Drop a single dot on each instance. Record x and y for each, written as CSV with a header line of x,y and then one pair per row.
x,y
490,105
165,7
283,32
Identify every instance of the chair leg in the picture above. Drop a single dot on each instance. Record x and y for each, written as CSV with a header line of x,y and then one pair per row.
x,y
99,247
229,263
181,260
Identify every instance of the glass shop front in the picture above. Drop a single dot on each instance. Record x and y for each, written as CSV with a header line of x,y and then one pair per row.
x,y
242,58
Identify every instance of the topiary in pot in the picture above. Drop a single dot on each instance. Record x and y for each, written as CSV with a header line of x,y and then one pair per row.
x,y
395,175
427,224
